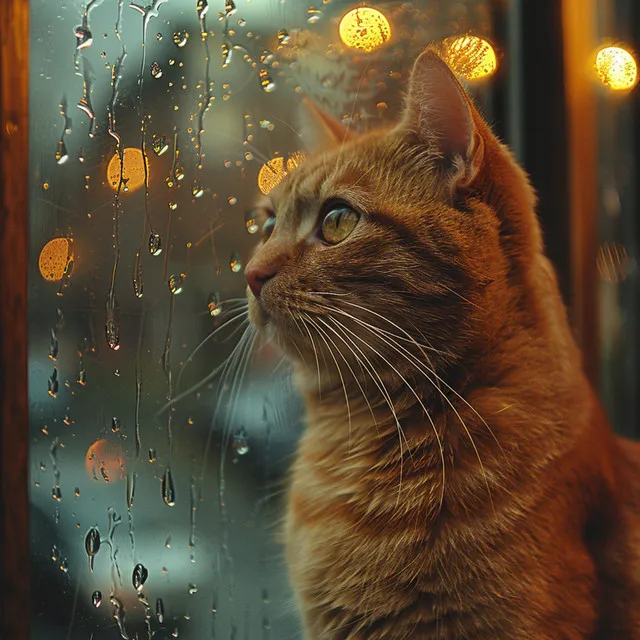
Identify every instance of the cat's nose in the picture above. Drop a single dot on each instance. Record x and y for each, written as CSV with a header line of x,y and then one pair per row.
x,y
258,275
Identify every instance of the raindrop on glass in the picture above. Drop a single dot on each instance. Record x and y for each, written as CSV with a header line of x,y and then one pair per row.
x,y
96,598
314,15
175,283
53,345
227,54
92,544
201,8
283,36
229,8
112,334
179,173
52,383
196,190
56,494
159,144
193,589
155,244
240,442
232,200
266,81
160,610
235,262
158,36
139,577
180,38
61,152
84,37
168,490
250,222
152,455
156,70
214,305
115,424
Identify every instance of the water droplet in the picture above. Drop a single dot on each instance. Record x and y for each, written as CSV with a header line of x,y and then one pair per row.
x,y
283,36
235,262
96,599
168,490
115,424
250,222
84,37
180,38
179,173
175,283
112,334
156,70
61,152
56,494
193,589
314,15
227,54
240,442
214,304
229,8
92,544
167,542
160,610
173,205
53,345
248,155
265,596
159,144
155,244
52,383
232,200
266,81
196,190
152,455
139,577
118,614
77,492
201,8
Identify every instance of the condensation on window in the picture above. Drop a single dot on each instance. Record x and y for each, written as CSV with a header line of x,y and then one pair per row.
x,y
160,433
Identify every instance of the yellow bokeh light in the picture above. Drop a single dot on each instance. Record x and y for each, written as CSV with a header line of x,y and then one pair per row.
x,y
470,57
132,171
364,28
616,68
55,258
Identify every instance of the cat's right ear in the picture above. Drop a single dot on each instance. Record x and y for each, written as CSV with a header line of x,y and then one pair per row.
x,y
439,114
318,128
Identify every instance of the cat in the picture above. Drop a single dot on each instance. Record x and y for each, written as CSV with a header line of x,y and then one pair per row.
x,y
457,477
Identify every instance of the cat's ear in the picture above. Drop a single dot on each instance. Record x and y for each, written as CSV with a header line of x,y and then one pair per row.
x,y
318,128
439,113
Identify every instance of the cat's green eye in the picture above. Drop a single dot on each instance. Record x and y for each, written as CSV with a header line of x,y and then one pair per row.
x,y
338,224
267,227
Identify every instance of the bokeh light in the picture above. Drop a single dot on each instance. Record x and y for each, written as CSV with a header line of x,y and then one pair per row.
x,y
616,67
132,171
470,57
55,258
104,461
364,28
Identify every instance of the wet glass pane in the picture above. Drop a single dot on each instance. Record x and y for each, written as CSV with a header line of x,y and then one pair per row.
x,y
160,440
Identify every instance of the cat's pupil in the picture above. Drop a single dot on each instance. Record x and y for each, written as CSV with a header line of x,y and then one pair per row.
x,y
338,224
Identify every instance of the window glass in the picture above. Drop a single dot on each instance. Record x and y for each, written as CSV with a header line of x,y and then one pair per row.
x,y
160,440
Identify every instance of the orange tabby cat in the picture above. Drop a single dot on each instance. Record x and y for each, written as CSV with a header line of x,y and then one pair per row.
x,y
457,478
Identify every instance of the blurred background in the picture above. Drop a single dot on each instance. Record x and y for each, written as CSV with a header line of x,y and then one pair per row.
x,y
156,477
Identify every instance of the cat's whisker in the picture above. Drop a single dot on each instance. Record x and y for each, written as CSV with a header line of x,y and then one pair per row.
x,y
315,353
406,382
213,334
344,386
355,377
421,368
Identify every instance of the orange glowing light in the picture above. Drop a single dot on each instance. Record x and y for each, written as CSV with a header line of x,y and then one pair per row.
x,y
364,28
470,57
55,259
105,461
616,67
132,170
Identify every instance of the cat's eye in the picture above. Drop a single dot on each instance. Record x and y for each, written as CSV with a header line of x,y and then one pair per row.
x,y
338,223
268,226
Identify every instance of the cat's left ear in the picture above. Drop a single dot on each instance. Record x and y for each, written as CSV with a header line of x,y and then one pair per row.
x,y
439,113
320,129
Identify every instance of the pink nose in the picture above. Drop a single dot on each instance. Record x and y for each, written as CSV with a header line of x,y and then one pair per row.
x,y
258,275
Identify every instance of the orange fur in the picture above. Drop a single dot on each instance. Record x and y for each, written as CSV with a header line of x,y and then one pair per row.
x,y
457,478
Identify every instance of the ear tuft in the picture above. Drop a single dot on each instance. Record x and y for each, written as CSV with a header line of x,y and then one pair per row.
x,y
439,113
318,128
